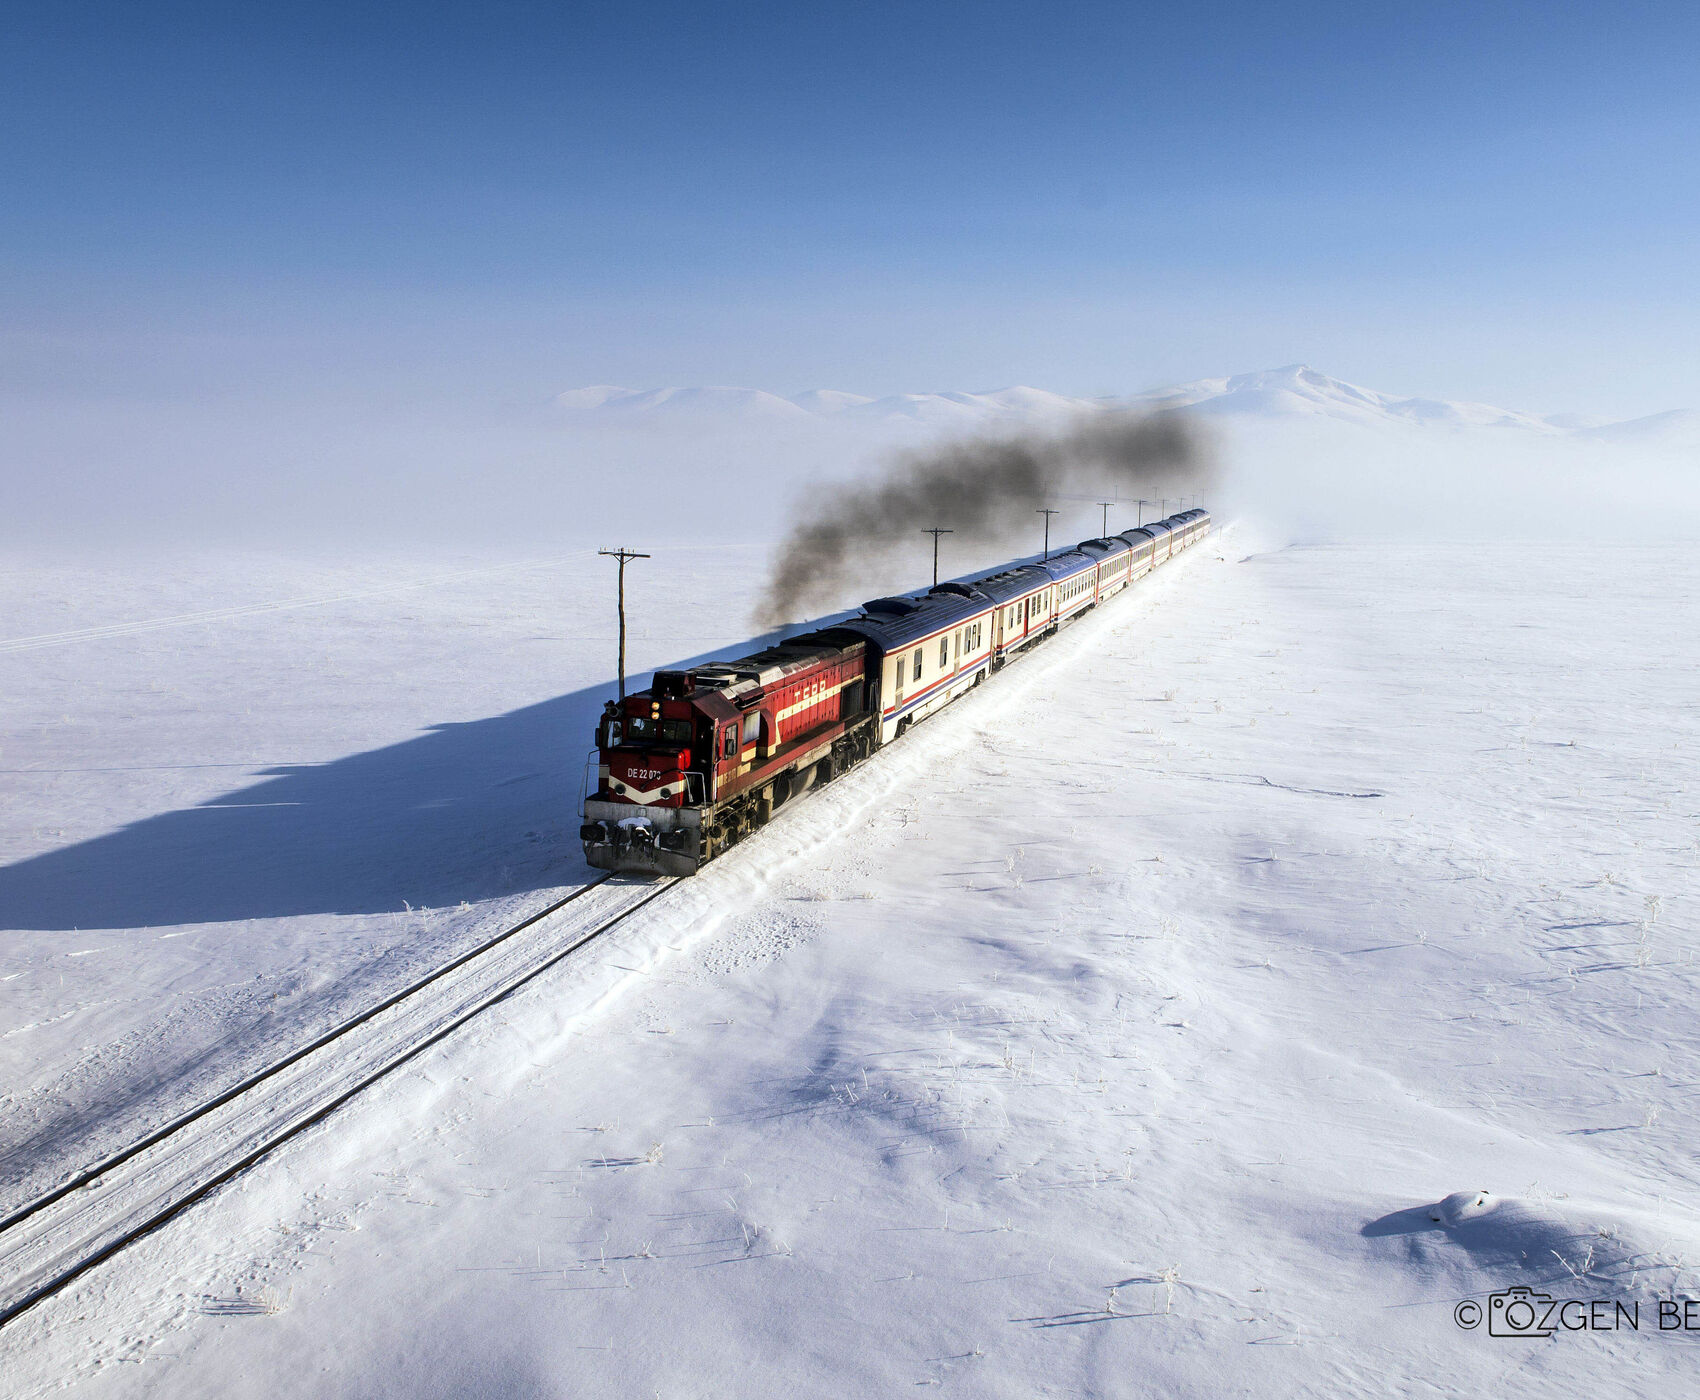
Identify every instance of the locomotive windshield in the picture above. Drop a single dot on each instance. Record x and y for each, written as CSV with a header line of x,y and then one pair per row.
x,y
668,731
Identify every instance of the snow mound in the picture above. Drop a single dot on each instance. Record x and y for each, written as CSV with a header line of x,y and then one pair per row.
x,y
1459,1207
1570,1247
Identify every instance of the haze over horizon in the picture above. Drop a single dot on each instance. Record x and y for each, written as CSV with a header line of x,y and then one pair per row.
x,y
248,252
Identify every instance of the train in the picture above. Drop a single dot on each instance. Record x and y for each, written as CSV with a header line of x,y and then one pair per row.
x,y
706,755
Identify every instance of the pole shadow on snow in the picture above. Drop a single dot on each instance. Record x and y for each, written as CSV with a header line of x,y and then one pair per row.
x,y
465,811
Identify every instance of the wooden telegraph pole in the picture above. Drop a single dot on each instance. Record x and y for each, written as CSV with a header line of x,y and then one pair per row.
x,y
622,555
1047,514
935,532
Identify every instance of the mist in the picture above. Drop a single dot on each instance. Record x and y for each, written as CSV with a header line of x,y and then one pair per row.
x,y
1317,480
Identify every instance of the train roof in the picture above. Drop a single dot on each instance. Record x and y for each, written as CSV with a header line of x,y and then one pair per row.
x,y
895,622
1012,583
1067,564
1105,547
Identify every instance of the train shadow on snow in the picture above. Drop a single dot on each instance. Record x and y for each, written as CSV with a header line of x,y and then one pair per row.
x,y
465,811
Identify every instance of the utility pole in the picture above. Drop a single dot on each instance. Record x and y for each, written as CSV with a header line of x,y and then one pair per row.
x,y
622,555
935,532
1047,514
1105,534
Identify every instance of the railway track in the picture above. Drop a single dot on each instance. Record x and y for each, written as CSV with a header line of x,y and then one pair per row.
x,y
55,1239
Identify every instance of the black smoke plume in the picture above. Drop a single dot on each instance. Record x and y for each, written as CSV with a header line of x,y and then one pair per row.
x,y
984,489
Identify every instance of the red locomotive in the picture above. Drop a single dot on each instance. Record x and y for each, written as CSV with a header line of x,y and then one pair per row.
x,y
702,758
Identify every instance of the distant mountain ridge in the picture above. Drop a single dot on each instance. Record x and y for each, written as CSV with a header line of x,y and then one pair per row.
x,y
1293,391
1015,403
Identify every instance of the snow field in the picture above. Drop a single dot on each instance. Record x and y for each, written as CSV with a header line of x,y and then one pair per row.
x,y
234,831
1119,1032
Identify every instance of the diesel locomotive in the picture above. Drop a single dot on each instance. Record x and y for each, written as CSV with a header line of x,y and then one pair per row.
x,y
705,756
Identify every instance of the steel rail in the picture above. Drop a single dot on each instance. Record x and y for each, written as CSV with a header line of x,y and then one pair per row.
x,y
274,1140
159,1135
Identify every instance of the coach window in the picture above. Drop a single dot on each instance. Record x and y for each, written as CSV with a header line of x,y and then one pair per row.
x,y
917,663
944,652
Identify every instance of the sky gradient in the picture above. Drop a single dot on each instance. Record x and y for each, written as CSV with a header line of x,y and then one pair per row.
x,y
352,207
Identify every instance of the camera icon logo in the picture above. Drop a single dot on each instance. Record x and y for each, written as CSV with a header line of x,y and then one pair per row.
x,y
1520,1312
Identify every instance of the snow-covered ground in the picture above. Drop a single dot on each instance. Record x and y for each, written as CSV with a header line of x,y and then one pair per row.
x,y
1113,1034
241,794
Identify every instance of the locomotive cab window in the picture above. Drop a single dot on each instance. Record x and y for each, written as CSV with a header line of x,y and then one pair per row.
x,y
642,727
615,732
676,731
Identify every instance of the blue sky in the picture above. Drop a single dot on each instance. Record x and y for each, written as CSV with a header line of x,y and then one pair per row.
x,y
388,203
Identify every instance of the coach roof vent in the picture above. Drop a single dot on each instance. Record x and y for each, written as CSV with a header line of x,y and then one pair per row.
x,y
891,607
960,590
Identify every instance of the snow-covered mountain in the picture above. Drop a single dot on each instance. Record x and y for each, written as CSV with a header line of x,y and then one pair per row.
x,y
1299,391
607,402
1677,428
708,401
1292,392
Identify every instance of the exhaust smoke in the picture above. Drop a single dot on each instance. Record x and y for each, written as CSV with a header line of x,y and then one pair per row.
x,y
984,489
